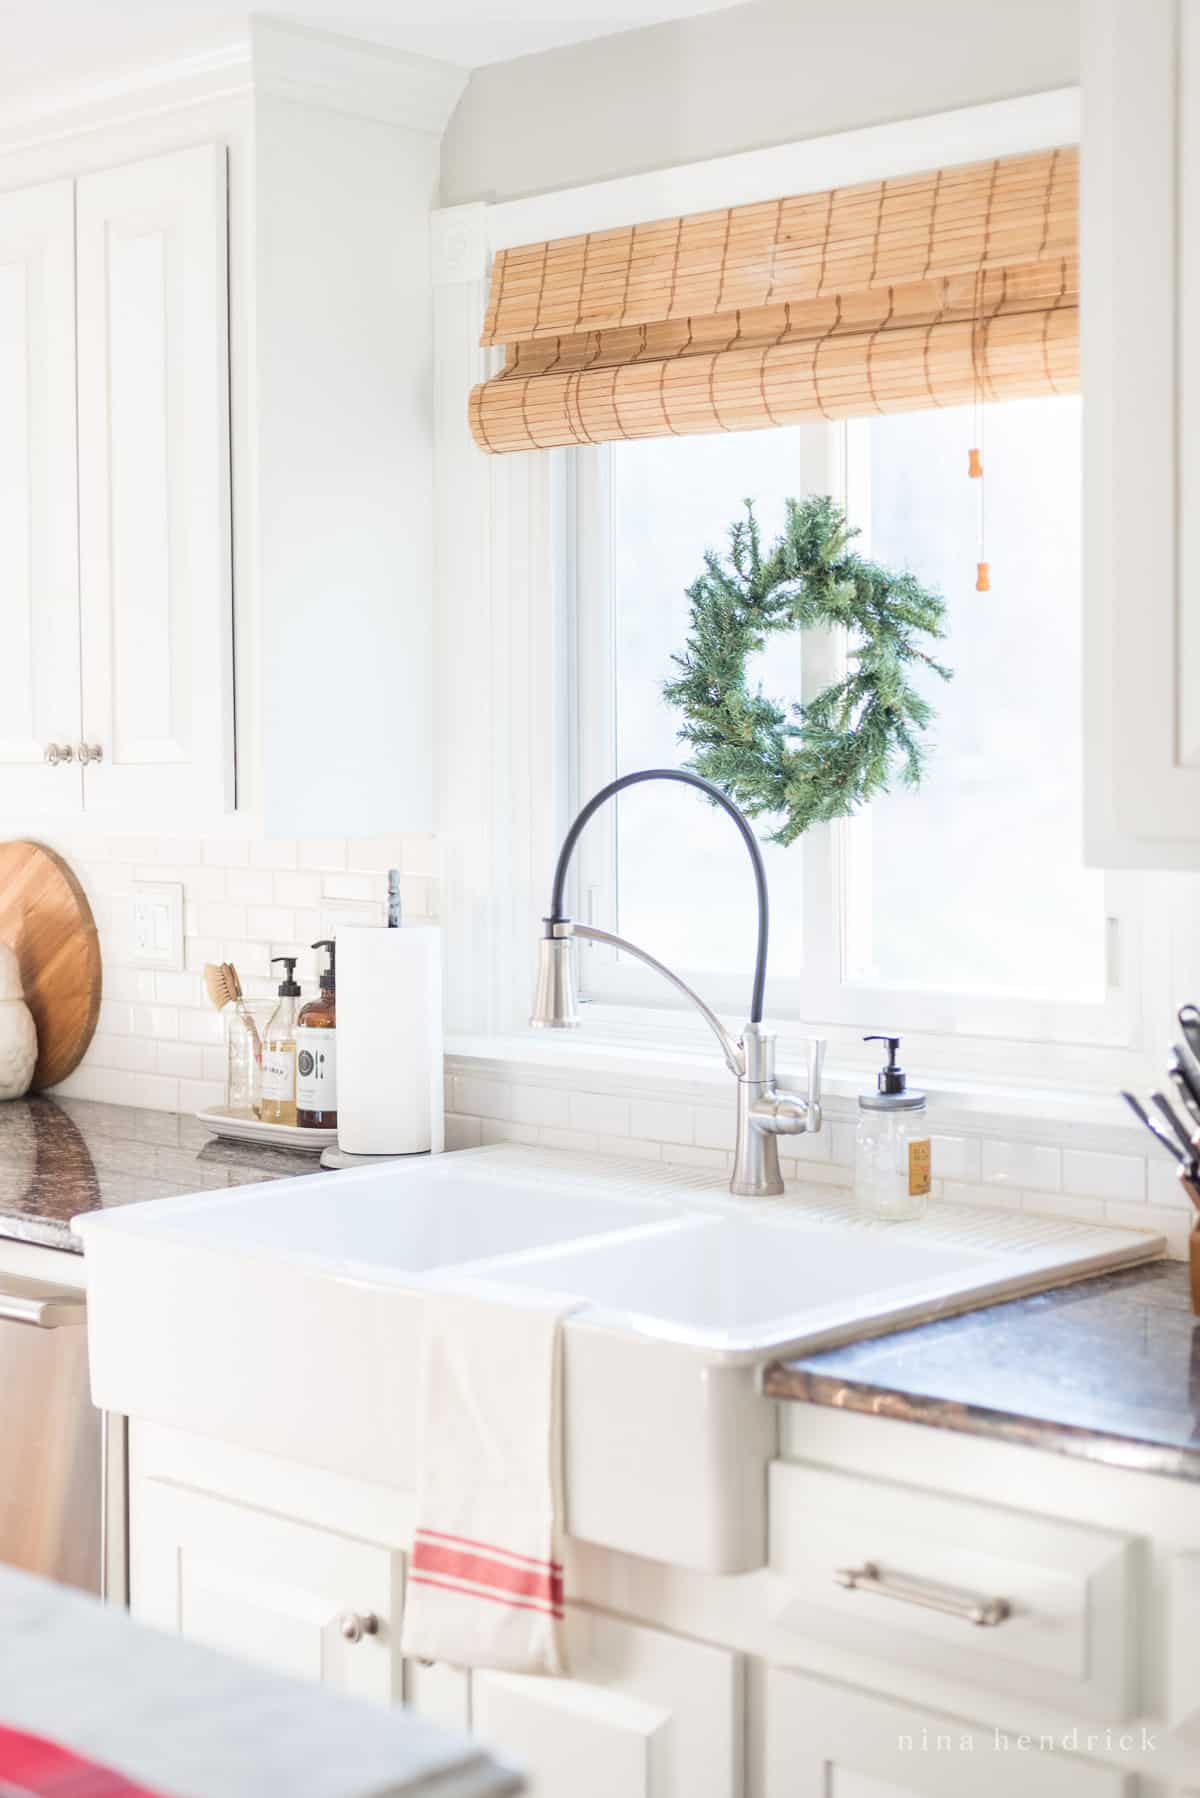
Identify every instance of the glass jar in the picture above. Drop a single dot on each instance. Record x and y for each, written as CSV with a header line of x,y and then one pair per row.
x,y
244,1027
892,1156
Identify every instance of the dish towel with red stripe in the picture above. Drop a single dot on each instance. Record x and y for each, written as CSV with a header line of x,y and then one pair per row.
x,y
485,1579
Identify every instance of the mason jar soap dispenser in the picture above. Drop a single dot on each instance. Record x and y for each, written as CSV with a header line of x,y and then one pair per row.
x,y
893,1167
279,1050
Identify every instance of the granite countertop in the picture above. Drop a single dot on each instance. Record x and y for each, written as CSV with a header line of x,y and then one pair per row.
x,y
1107,1370
60,1157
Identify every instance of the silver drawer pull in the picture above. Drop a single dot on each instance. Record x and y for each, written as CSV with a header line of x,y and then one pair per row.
x,y
985,1612
41,1306
354,1627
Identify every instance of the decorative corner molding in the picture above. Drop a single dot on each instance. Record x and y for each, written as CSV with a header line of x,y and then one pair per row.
x,y
349,76
458,241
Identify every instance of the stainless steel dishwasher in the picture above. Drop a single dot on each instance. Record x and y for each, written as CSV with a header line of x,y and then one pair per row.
x,y
62,1462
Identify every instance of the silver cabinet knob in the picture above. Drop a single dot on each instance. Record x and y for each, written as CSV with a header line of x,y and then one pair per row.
x,y
90,752
59,752
354,1627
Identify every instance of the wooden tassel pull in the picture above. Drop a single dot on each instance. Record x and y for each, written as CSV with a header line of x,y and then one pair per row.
x,y
975,464
983,577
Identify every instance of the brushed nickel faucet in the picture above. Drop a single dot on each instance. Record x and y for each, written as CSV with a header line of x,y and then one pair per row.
x,y
764,1112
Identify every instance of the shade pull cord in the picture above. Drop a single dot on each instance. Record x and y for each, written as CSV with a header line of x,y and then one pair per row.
x,y
983,572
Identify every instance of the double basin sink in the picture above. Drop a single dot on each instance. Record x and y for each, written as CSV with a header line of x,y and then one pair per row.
x,y
286,1317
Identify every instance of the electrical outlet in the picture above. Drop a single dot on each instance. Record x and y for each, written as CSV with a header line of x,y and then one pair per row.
x,y
156,925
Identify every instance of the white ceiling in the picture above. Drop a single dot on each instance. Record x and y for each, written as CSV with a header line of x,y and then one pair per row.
x,y
46,43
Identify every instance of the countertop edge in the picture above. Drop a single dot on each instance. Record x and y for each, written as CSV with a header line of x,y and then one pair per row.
x,y
796,1384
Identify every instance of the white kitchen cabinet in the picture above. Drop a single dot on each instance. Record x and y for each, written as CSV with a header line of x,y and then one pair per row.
x,y
1140,322
307,1601
115,557
829,1741
250,412
39,583
645,1714
154,517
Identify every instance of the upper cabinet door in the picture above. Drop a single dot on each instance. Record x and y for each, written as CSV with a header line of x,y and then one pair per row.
x,y
154,506
39,587
1140,293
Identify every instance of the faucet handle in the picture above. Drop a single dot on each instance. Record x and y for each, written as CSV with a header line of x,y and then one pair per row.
x,y
816,1062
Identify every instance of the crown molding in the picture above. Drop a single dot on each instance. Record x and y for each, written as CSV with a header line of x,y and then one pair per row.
x,y
49,116
346,75
316,68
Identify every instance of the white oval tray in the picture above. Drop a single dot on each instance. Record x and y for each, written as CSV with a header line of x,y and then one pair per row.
x,y
243,1126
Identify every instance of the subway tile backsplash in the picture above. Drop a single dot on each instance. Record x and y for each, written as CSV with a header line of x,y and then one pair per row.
x,y
159,1043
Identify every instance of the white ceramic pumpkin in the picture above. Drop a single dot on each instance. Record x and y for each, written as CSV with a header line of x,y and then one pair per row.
x,y
18,1033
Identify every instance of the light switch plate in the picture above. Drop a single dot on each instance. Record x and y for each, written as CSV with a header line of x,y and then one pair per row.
x,y
156,924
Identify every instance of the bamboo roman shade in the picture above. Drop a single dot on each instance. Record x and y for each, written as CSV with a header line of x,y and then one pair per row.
x,y
927,290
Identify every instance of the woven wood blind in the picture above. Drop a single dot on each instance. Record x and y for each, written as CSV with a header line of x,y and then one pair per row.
x,y
886,297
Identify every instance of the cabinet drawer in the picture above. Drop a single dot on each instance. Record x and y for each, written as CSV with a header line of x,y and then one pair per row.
x,y
825,1741
270,1590
1068,1632
644,1715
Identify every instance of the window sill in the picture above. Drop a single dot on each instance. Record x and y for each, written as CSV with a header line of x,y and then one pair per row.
x,y
1071,1116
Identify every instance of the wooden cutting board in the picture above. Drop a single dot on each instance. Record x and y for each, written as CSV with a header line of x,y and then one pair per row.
x,y
46,919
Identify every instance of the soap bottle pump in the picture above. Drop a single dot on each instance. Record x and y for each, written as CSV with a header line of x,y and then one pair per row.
x,y
316,1051
893,1168
279,1050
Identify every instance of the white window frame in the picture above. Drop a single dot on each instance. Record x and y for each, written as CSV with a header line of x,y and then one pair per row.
x,y
824,993
507,569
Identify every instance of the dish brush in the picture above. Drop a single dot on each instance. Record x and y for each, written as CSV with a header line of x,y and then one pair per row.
x,y
223,987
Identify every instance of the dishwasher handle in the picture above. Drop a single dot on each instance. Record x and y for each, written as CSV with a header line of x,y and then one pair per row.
x,y
45,1307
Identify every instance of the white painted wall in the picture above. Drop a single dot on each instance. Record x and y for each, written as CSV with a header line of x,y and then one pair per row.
x,y
766,73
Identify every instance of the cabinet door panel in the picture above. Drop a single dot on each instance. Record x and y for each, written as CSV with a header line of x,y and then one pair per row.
x,y
267,1589
1140,282
39,570
644,1715
154,485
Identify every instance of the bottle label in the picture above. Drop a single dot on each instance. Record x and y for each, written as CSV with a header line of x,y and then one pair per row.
x,y
920,1167
279,1073
316,1069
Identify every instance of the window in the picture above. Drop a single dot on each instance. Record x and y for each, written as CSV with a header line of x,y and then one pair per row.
x,y
964,907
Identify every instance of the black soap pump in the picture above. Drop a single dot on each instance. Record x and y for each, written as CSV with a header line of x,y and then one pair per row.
x,y
893,1165
316,1051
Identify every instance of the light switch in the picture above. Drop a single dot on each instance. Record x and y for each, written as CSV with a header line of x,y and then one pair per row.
x,y
156,924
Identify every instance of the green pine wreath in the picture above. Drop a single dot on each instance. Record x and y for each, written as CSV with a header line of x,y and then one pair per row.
x,y
805,764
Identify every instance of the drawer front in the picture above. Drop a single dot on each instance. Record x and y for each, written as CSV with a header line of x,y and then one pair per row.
x,y
1056,1600
824,1741
301,1600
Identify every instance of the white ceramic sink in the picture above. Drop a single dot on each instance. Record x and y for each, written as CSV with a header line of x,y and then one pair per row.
x,y
285,1317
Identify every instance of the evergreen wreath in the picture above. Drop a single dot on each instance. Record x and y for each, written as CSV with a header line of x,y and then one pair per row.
x,y
813,762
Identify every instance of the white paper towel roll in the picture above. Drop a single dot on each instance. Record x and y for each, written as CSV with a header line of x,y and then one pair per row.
x,y
389,1040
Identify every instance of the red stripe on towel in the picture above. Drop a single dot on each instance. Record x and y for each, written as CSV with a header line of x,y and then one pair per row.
x,y
43,1769
515,1604
488,1548
484,1569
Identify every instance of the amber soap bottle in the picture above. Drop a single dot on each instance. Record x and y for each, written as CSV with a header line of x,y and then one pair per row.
x,y
316,1052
